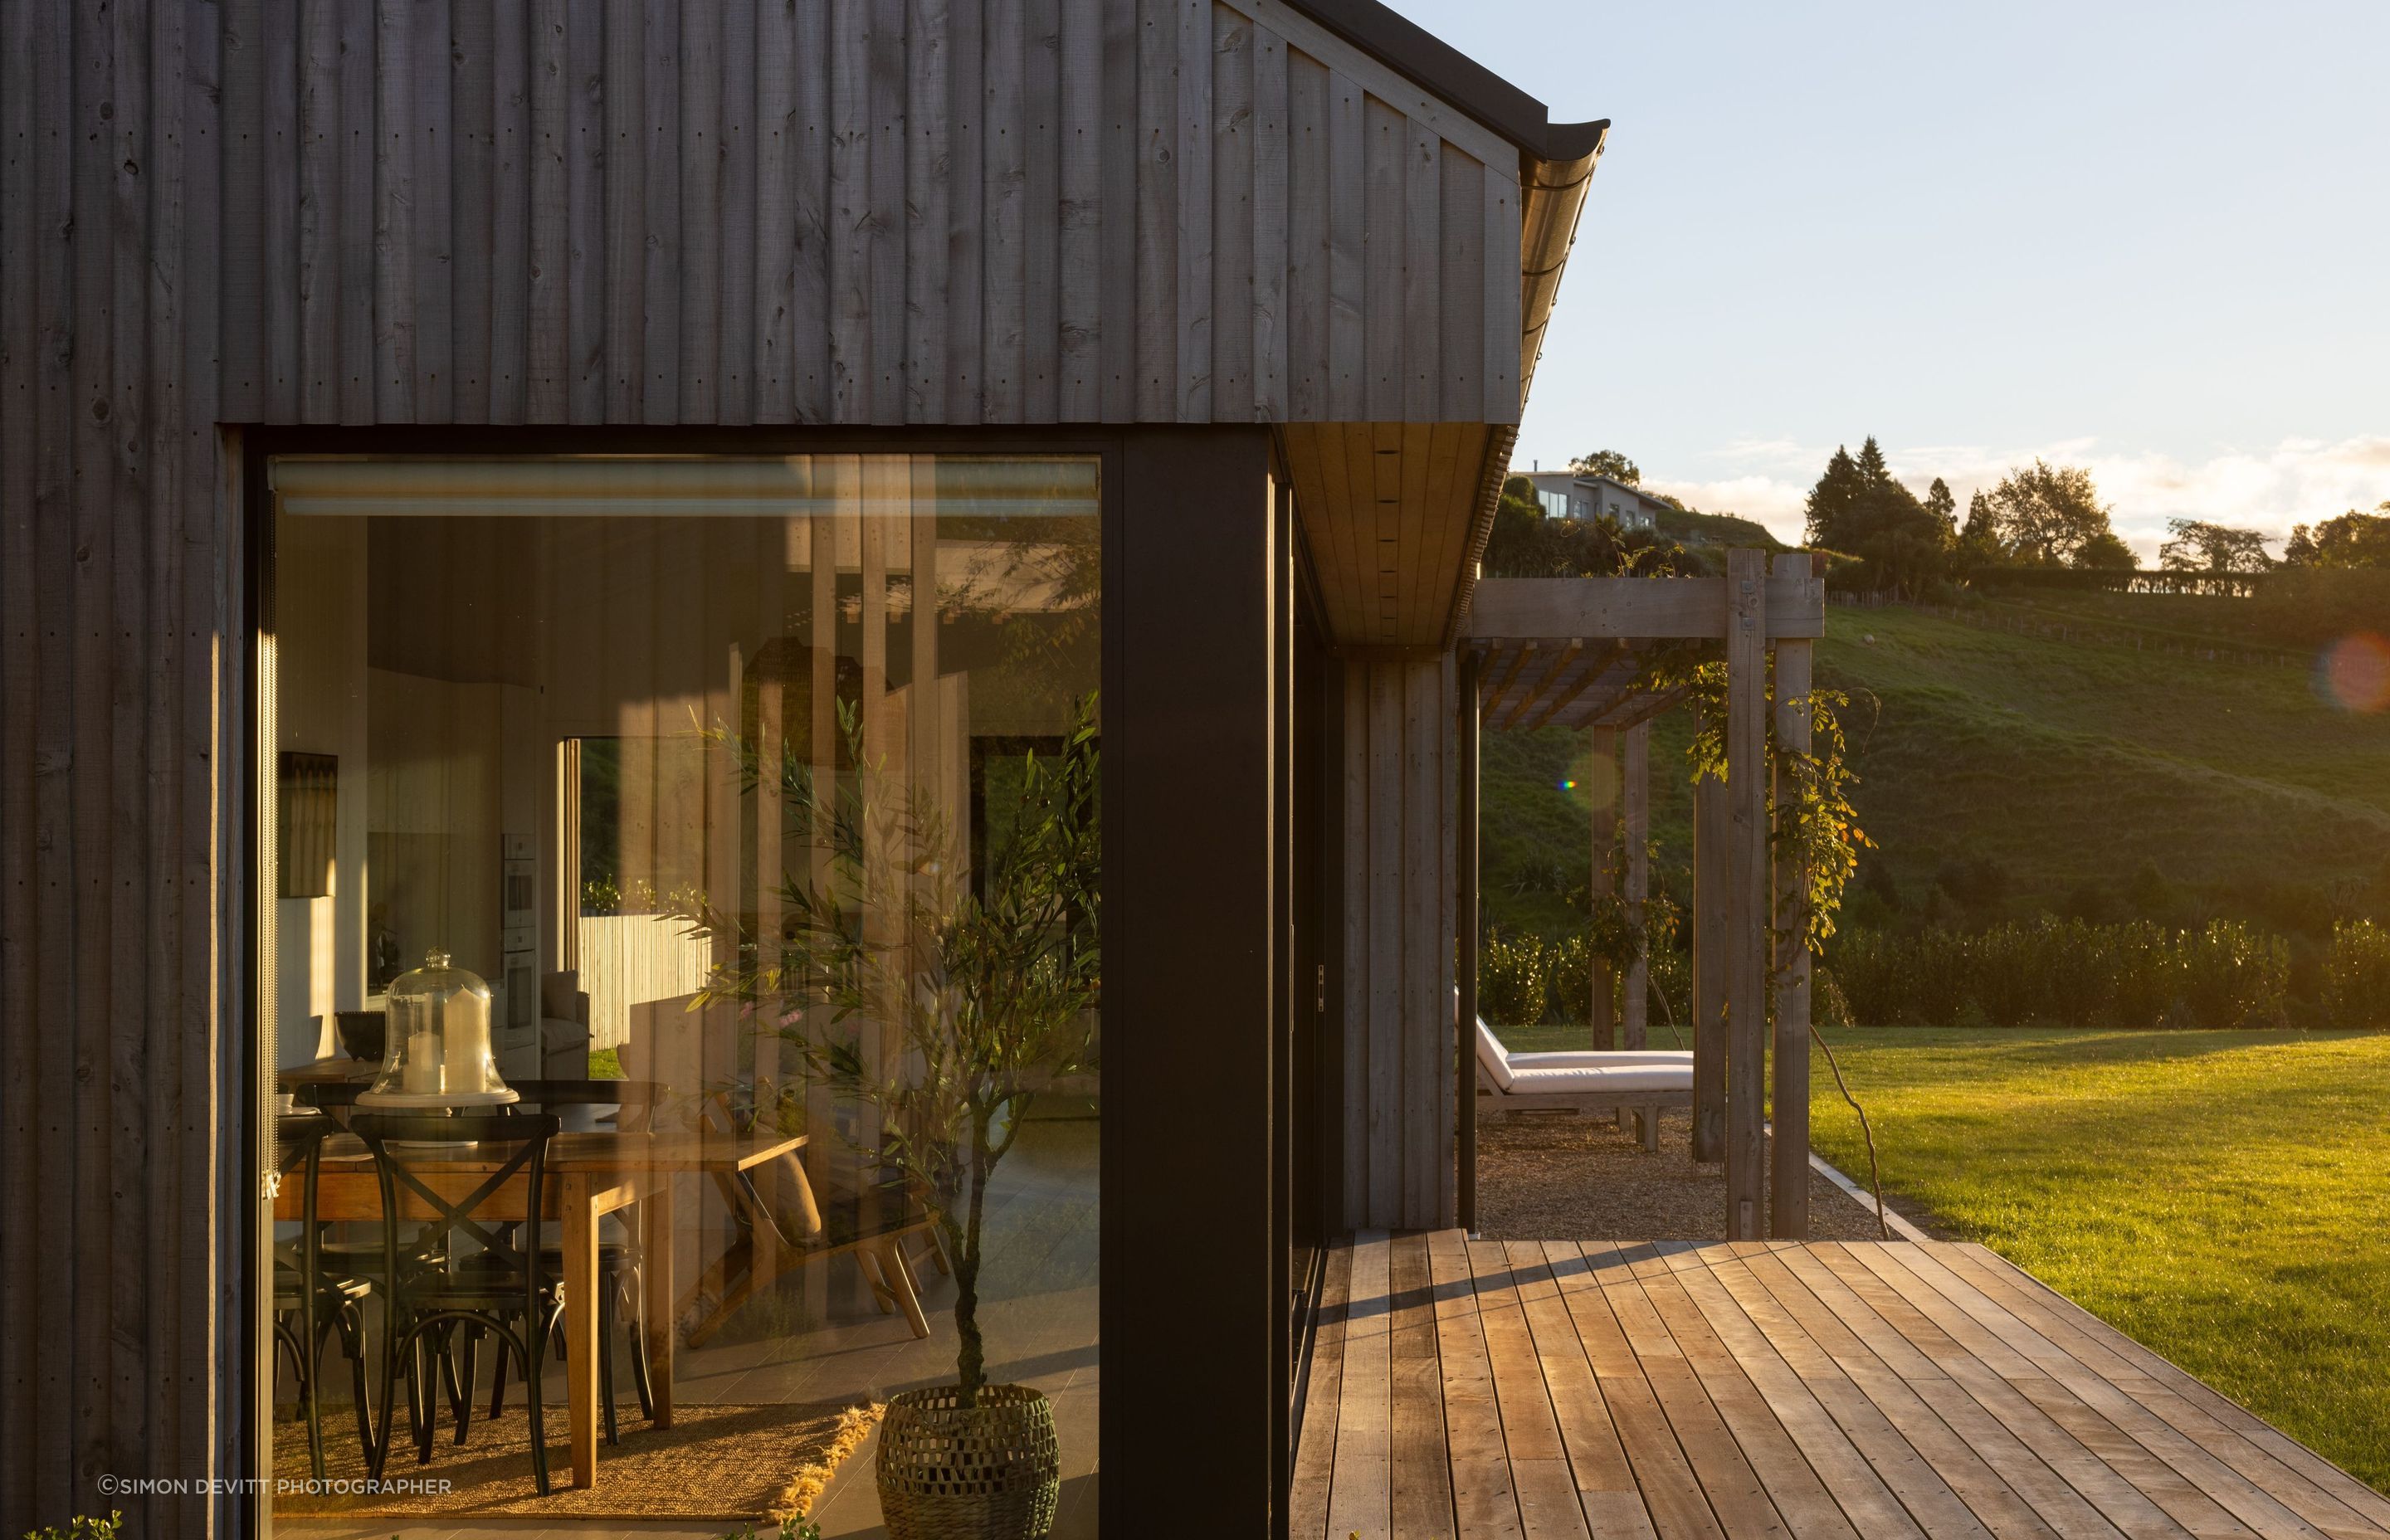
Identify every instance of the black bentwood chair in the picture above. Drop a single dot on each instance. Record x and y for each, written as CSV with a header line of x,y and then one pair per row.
x,y
502,1290
620,1296
309,1298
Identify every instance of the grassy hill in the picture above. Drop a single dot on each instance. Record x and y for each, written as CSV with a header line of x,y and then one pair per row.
x,y
1695,528
2005,775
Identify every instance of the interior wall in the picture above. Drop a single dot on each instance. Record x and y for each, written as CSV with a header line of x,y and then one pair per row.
x,y
1400,783
320,641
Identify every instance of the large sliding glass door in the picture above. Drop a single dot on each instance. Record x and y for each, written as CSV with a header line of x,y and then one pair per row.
x,y
761,789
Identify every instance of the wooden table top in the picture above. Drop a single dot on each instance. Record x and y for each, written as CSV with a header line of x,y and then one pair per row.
x,y
602,1153
327,1072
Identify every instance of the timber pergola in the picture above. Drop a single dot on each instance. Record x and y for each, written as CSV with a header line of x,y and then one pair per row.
x,y
1580,653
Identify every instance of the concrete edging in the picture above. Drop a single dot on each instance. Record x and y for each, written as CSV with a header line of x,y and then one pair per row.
x,y
1866,1200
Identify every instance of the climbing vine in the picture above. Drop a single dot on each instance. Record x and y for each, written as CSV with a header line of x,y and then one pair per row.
x,y
1819,833
1818,830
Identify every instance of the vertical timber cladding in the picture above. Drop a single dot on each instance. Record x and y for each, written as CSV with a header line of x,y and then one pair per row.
x,y
120,666
623,210
1401,777
549,211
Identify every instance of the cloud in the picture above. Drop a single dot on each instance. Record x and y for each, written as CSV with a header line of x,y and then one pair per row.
x,y
2298,482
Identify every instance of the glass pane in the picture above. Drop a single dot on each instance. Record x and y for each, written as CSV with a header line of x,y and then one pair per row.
x,y
751,803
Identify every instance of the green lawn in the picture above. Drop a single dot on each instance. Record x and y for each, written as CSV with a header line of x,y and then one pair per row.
x,y
2219,1195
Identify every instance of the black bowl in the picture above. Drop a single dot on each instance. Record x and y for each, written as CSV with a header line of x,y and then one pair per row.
x,y
362,1034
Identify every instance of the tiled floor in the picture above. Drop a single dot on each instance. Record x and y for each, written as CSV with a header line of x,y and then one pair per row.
x,y
1037,1309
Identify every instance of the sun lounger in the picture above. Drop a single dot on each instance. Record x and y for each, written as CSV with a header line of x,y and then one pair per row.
x,y
1635,1081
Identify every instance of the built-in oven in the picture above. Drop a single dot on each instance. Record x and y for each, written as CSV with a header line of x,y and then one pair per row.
x,y
516,1008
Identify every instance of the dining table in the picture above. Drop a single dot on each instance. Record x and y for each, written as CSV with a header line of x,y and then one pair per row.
x,y
587,1177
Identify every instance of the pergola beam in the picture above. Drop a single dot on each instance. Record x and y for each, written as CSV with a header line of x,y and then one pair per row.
x,y
1636,609
1524,697
1594,669
1609,681
1640,707
1517,661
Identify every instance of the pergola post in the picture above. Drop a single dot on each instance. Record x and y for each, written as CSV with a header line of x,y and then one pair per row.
x,y
1788,1214
1601,782
1709,969
1635,770
1748,906
1471,730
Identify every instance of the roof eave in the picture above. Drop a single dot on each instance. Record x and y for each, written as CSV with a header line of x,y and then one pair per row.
x,y
1411,51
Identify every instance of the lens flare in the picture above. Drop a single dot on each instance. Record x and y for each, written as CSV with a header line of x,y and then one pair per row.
x,y
2354,673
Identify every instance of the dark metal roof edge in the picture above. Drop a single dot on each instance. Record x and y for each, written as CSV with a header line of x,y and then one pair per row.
x,y
1411,50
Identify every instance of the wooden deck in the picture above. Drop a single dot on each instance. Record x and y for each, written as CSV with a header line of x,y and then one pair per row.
x,y
1765,1388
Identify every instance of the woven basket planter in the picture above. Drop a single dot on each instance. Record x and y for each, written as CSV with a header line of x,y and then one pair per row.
x,y
992,1472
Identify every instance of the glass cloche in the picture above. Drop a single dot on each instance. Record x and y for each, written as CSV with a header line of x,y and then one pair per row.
x,y
437,1051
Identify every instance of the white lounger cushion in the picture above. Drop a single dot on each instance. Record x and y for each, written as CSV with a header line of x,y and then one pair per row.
x,y
1490,1055
1600,1059
1510,1072
1622,1077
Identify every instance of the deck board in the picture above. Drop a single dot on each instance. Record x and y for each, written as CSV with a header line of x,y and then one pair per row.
x,y
1712,1392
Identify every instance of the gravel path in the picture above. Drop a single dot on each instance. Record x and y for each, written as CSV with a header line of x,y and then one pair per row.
x,y
1576,1178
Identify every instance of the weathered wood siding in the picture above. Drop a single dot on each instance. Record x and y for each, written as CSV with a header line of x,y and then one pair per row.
x,y
118,674
1398,907
717,211
863,212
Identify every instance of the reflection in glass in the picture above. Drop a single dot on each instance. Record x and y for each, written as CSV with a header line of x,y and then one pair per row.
x,y
765,788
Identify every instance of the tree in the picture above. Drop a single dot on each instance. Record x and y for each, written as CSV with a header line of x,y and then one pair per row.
x,y
948,992
2352,540
1517,517
1610,463
1979,542
1524,543
2050,516
1943,507
1835,498
2106,552
1858,507
2196,545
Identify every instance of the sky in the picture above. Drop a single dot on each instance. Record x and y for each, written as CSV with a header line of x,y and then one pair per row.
x,y
2152,239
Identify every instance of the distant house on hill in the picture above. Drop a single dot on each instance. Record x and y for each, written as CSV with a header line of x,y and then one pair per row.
x,y
1568,494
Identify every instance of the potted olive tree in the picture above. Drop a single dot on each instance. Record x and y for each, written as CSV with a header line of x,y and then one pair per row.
x,y
982,986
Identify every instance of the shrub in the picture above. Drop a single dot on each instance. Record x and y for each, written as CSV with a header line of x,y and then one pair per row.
x,y
2357,975
2233,975
83,1526
1827,1008
1512,987
1670,1015
2070,972
1568,978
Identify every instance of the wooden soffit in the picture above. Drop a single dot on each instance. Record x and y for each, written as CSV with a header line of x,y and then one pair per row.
x,y
1385,510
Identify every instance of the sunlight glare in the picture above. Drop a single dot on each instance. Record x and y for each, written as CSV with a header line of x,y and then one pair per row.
x,y
2354,673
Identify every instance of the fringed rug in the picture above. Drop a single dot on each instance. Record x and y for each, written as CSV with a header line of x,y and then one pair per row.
x,y
719,1463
